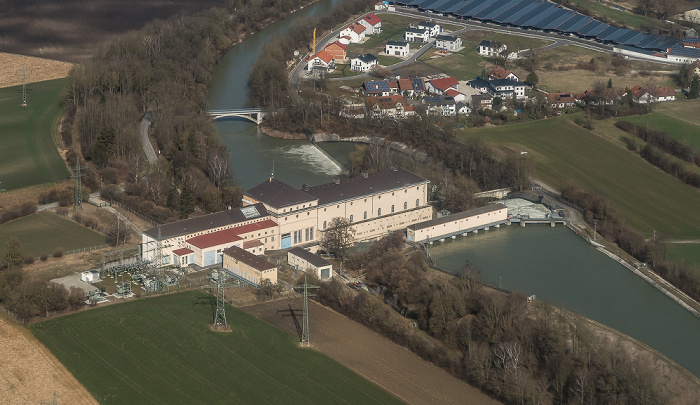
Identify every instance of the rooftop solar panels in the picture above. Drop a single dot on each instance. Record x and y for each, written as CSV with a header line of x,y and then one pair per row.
x,y
634,40
515,13
560,18
459,5
473,7
624,36
446,6
495,13
576,23
545,18
607,32
435,6
592,28
541,7
680,50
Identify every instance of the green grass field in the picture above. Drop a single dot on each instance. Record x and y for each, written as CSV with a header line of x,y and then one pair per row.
x,y
44,232
463,65
690,252
28,154
393,28
676,126
631,20
161,351
559,150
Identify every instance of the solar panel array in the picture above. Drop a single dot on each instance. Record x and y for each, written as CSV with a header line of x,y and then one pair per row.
x,y
542,15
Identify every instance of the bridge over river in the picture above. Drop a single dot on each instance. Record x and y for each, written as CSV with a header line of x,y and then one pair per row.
x,y
254,115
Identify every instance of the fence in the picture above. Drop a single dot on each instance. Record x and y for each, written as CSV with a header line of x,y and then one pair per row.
x,y
122,206
79,250
13,316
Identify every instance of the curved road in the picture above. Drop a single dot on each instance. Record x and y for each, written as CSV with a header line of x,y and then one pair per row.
x,y
145,141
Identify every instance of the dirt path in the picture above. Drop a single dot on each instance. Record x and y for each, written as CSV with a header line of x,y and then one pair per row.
x,y
372,356
30,374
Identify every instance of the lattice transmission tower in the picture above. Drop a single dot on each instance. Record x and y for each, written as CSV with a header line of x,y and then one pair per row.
x,y
24,74
78,195
219,282
304,290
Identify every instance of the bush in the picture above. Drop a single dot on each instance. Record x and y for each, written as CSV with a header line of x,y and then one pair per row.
x,y
44,257
28,259
58,253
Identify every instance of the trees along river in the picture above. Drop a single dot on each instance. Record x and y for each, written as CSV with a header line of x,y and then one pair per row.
x,y
554,264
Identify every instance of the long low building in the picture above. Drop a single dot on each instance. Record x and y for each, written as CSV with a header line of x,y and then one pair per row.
x,y
456,224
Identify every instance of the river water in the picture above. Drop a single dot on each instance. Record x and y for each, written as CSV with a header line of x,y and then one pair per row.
x,y
552,263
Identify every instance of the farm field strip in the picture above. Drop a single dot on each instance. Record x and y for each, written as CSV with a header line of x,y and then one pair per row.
x,y
649,199
160,350
42,233
677,127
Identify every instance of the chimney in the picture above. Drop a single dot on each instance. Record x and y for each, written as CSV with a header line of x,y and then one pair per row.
x,y
336,180
364,175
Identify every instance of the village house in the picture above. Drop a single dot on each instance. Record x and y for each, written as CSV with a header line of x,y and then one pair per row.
x,y
445,106
416,35
661,94
434,29
372,23
440,86
479,84
482,102
376,88
397,48
561,100
389,107
506,87
338,51
463,108
491,49
499,73
448,43
363,63
456,95
320,62
356,33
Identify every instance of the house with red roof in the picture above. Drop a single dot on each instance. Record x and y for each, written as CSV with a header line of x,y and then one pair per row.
x,y
561,100
254,238
440,86
322,61
372,23
456,95
499,73
355,31
389,107
338,51
661,94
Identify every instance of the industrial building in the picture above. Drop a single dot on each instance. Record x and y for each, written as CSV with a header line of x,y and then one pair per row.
x,y
458,224
306,261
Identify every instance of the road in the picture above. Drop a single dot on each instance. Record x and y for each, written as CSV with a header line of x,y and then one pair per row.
x,y
145,141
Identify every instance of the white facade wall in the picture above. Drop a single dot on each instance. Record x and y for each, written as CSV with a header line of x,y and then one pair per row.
x,y
310,268
461,225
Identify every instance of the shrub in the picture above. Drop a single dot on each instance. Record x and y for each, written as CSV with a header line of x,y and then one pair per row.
x,y
44,257
28,259
58,252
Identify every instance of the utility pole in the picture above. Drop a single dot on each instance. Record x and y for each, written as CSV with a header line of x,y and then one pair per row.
x,y
218,281
304,289
24,73
78,196
595,229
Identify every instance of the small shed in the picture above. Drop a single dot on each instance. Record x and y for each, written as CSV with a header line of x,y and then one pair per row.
x,y
310,262
90,276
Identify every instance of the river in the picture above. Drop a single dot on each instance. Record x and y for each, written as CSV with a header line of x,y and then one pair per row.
x,y
552,263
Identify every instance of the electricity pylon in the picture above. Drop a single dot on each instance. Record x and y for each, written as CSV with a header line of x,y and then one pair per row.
x,y
304,290
219,281
78,197
24,73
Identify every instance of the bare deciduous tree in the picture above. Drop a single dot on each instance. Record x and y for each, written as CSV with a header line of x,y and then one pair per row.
x,y
218,167
338,237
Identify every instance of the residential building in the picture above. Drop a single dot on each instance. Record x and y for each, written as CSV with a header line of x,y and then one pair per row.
x,y
482,102
561,100
389,107
434,29
499,73
355,32
440,86
306,261
397,48
338,51
448,43
506,88
462,108
372,23
363,63
376,88
416,35
491,49
661,94
248,267
479,84
322,61
456,95
445,106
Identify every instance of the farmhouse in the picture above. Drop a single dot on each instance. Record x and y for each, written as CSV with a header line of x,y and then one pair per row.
x,y
372,23
416,35
338,51
456,95
458,224
491,49
322,61
440,86
561,100
434,29
448,43
499,73
661,94
355,32
248,267
363,63
389,107
396,48
306,261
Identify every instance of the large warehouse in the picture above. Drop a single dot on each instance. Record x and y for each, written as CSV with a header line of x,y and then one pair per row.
x,y
276,216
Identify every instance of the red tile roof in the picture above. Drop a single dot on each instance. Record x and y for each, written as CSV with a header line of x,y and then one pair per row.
x,y
566,98
183,251
323,55
405,84
228,235
373,19
452,93
499,73
339,45
663,92
445,83
358,28
385,102
252,243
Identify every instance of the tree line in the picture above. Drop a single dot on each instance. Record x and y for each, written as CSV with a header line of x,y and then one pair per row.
x,y
517,352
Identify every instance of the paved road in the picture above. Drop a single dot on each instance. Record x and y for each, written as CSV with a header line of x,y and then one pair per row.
x,y
145,141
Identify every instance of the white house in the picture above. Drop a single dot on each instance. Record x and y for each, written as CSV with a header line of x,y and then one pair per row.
x,y
397,48
662,94
458,96
372,23
90,276
506,88
463,108
321,61
433,29
491,49
445,106
363,63
498,73
416,35
440,86
448,43
306,261
355,31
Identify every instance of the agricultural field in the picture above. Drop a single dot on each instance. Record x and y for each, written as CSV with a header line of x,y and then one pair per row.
x,y
40,69
42,233
678,119
689,252
560,150
28,155
161,350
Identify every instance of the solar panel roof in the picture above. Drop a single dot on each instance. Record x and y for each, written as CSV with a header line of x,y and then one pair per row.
x,y
475,7
607,32
446,6
502,9
515,13
621,35
592,26
576,23
648,40
634,40
562,17
683,51
541,8
545,18
427,4
453,9
438,4
490,8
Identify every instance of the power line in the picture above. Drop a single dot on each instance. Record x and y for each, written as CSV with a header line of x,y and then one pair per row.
x,y
24,74
305,315
78,196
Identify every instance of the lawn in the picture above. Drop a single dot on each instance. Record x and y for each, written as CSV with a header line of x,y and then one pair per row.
x,y
393,28
560,150
514,42
28,154
690,252
683,131
160,350
631,20
342,70
44,232
463,65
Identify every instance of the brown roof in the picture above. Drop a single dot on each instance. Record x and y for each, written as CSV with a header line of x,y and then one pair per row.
x,y
444,83
323,55
252,243
277,194
183,251
385,102
561,98
405,84
339,45
663,92
229,235
457,216
206,222
256,262
316,260
499,73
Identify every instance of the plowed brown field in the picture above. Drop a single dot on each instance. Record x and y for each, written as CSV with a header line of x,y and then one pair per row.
x,y
372,356
30,374
41,69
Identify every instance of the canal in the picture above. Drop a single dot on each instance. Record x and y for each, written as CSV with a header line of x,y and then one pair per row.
x,y
552,263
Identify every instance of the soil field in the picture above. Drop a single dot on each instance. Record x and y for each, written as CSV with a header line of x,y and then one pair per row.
x,y
559,150
39,69
31,374
42,233
161,351
28,154
72,30
387,364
